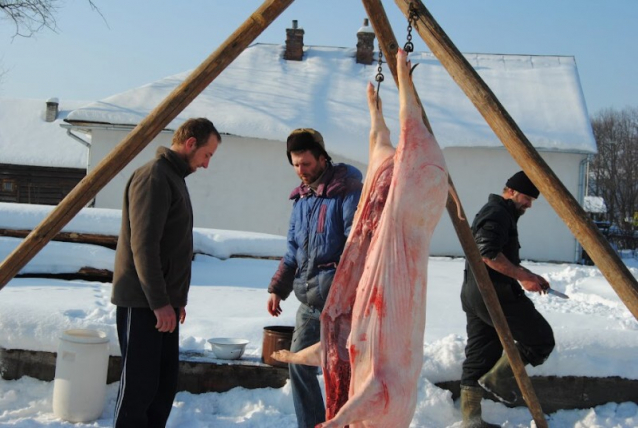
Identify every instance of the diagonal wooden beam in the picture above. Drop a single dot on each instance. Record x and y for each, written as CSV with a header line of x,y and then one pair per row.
x,y
141,136
599,249
388,44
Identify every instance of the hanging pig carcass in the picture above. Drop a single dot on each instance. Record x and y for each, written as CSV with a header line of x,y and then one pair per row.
x,y
373,323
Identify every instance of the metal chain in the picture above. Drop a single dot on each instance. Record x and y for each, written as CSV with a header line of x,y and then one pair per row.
x,y
379,77
412,18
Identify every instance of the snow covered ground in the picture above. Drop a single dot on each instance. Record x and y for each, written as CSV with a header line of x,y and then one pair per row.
x,y
595,333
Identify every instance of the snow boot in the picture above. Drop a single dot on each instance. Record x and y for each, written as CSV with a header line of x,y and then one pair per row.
x,y
500,381
471,408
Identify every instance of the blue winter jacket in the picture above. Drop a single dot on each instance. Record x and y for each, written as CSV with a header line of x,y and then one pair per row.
x,y
319,226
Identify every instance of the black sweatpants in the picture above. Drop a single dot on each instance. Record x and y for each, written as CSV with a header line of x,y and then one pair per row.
x,y
150,364
533,334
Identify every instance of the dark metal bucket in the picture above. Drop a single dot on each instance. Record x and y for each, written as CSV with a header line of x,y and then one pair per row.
x,y
275,339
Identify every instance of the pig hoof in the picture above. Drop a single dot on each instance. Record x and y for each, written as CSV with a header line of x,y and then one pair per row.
x,y
282,356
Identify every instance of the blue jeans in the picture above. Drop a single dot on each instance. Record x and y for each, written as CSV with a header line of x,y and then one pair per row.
x,y
306,392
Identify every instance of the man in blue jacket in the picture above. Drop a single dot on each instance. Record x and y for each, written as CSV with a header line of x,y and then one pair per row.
x,y
323,210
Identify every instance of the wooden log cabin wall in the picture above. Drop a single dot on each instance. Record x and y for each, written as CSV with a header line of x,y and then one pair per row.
x,y
37,184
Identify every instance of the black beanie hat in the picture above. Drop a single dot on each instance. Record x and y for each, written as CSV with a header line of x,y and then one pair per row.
x,y
305,139
522,184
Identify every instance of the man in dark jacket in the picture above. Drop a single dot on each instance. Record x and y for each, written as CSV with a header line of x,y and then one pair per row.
x,y
322,214
495,231
152,274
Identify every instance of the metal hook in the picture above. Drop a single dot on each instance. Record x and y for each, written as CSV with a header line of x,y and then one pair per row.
x,y
412,68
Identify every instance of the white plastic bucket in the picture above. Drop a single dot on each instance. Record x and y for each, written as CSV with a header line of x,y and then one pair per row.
x,y
79,388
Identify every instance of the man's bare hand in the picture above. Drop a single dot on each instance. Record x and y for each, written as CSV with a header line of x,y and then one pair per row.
x,y
544,284
528,280
182,315
166,319
273,306
535,283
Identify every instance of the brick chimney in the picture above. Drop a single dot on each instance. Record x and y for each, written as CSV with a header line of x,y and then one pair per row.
x,y
365,44
294,42
52,110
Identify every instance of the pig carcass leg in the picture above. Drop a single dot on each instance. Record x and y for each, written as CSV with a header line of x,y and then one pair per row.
x,y
310,356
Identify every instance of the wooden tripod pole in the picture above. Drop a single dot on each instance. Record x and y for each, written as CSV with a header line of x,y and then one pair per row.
x,y
611,266
141,136
388,43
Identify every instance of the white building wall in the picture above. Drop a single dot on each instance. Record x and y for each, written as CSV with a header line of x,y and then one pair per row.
x,y
247,184
478,172
245,187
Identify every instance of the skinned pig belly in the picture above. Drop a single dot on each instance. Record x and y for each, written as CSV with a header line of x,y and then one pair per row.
x,y
386,341
336,317
388,320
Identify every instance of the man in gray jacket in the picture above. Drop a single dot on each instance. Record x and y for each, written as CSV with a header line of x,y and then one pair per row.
x,y
152,274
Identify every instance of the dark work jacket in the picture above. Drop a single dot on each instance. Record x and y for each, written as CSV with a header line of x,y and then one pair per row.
x,y
495,231
155,247
319,226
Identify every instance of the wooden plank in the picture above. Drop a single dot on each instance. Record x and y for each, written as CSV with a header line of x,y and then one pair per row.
x,y
85,273
195,376
198,377
598,248
108,241
141,136
570,392
388,43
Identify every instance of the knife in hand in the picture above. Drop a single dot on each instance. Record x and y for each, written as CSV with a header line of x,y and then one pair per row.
x,y
557,293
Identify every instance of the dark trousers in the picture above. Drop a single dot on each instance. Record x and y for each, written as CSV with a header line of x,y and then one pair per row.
x,y
533,334
150,364
306,392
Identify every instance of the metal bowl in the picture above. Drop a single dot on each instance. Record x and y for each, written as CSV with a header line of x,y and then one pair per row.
x,y
226,348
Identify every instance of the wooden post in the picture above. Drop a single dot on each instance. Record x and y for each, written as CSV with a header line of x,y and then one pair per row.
x,y
388,43
611,266
139,138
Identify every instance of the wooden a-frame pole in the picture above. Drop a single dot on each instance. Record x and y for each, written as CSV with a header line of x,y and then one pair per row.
x,y
141,136
388,44
598,248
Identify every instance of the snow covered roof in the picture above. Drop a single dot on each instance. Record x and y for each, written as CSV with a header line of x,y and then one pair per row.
x,y
261,95
594,204
27,139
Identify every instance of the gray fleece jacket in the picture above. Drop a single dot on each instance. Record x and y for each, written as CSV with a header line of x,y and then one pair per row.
x,y
155,246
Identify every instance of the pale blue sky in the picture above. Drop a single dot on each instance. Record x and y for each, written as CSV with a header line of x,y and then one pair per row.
x,y
147,40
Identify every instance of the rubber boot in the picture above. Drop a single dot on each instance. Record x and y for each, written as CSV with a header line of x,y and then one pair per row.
x,y
471,408
500,381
